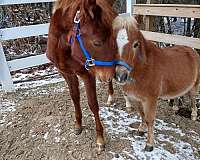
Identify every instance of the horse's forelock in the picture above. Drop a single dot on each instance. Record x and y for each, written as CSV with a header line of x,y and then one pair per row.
x,y
125,22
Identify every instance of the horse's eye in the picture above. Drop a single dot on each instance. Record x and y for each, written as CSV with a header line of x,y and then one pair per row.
x,y
97,43
135,44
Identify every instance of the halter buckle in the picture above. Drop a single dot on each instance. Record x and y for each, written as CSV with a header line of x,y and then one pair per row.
x,y
90,62
77,17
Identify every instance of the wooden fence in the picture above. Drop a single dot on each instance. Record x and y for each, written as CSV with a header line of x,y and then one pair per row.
x,y
19,32
171,10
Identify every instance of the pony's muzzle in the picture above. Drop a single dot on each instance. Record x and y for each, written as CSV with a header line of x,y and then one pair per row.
x,y
121,75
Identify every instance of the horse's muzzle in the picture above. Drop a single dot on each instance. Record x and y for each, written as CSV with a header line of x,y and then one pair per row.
x,y
104,74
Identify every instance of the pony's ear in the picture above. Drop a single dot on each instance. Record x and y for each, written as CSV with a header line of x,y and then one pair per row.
x,y
111,2
90,6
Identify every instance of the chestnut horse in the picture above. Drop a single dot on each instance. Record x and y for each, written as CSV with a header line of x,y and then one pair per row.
x,y
157,72
81,43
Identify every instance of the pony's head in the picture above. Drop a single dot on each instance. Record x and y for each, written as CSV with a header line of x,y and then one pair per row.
x,y
96,17
131,46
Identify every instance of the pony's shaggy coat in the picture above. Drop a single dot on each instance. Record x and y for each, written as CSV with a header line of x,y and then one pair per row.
x,y
158,73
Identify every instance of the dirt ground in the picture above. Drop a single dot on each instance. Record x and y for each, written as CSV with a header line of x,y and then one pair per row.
x,y
40,127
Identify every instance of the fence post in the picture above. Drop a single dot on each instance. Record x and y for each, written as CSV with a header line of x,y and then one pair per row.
x,y
129,6
147,23
5,76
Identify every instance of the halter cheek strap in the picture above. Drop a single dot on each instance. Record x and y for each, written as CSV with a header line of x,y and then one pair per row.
x,y
90,62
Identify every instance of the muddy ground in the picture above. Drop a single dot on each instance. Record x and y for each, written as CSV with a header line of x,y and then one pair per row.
x,y
40,127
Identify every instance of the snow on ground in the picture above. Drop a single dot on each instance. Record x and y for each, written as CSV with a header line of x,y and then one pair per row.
x,y
118,122
6,106
32,84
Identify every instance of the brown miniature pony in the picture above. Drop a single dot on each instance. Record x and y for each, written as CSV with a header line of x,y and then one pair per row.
x,y
91,22
157,72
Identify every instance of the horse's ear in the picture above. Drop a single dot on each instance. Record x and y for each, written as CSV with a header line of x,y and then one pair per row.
x,y
111,2
57,14
90,5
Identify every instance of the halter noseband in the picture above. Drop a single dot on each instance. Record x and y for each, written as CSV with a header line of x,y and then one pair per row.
x,y
90,62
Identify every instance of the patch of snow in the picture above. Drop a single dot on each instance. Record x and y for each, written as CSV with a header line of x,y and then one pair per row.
x,y
57,139
7,106
118,157
117,121
38,83
46,135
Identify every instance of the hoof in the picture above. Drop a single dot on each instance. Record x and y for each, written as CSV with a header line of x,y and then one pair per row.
x,y
194,118
78,131
100,148
141,133
148,148
175,108
129,110
110,101
109,104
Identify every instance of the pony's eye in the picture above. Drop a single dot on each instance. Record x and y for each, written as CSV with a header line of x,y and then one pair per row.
x,y
135,44
97,43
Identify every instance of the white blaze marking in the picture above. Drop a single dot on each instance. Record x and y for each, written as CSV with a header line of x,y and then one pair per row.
x,y
122,40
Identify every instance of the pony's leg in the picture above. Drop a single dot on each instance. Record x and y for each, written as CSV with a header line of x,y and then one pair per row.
x,y
143,126
73,84
192,95
90,85
171,102
149,107
176,103
175,106
110,92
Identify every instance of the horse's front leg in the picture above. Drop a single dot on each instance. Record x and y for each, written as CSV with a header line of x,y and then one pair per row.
x,y
90,85
149,107
110,92
73,84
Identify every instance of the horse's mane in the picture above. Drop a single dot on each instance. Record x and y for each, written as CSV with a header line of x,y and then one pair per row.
x,y
107,15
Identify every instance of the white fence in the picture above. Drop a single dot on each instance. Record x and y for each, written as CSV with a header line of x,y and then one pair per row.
x,y
21,32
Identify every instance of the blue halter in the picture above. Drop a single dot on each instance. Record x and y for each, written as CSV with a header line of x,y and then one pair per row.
x,y
89,60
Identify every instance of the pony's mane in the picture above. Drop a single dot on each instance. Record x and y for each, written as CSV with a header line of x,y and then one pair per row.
x,y
125,22
107,15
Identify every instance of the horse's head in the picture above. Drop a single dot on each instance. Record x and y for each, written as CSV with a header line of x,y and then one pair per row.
x,y
131,47
96,33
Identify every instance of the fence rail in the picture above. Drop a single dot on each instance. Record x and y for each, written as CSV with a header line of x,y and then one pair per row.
x,y
23,31
171,10
12,2
172,39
